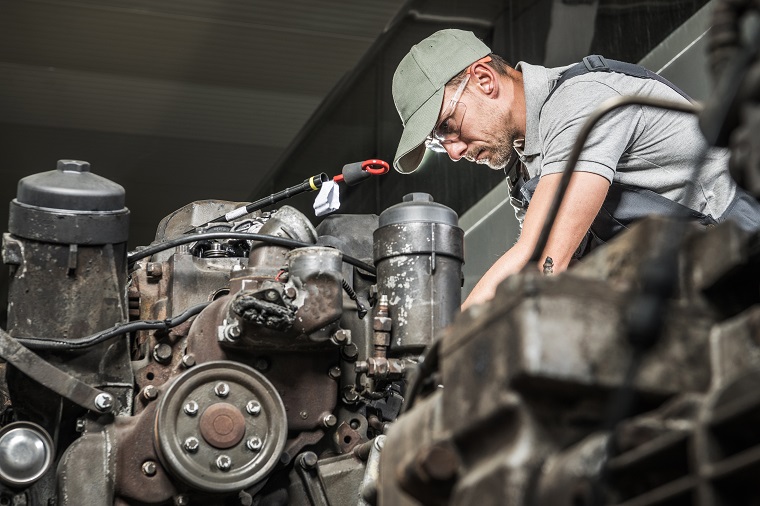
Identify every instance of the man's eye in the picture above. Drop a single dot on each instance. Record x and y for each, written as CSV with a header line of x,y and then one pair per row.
x,y
447,127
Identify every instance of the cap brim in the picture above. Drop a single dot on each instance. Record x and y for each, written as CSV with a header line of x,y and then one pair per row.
x,y
411,147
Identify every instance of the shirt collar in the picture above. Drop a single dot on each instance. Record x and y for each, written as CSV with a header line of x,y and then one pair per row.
x,y
538,82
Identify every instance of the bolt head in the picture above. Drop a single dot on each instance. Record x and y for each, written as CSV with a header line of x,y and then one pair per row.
x,y
81,425
149,468
150,392
154,269
222,389
188,360
162,353
223,463
329,421
334,372
291,292
104,402
270,295
254,444
191,408
308,460
304,415
181,500
192,444
253,408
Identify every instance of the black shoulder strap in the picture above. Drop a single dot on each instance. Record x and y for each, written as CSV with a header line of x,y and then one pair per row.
x,y
597,63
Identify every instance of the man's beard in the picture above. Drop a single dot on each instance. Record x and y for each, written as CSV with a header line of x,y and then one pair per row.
x,y
500,155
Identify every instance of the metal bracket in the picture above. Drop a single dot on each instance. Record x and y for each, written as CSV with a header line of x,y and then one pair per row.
x,y
53,378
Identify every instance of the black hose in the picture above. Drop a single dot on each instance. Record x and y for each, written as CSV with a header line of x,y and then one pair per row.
x,y
39,343
575,154
134,256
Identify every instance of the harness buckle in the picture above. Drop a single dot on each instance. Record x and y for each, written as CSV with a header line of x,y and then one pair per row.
x,y
596,63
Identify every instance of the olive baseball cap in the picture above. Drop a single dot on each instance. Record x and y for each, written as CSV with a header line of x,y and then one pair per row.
x,y
418,86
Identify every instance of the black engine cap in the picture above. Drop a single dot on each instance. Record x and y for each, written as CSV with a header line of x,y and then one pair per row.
x,y
71,187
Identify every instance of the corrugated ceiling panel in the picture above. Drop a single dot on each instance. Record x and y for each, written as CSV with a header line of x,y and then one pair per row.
x,y
174,48
89,101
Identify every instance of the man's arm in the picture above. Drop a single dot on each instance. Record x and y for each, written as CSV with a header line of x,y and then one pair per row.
x,y
582,202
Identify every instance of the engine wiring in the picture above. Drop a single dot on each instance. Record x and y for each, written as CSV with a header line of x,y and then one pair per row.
x,y
148,251
39,343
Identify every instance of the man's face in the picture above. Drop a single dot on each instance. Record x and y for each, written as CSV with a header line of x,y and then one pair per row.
x,y
486,132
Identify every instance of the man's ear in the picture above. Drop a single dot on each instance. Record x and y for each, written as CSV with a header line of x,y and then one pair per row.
x,y
486,79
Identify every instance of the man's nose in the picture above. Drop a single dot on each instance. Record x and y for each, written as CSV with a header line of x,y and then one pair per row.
x,y
456,149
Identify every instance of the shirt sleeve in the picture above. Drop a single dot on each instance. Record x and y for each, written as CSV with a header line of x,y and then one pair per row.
x,y
563,117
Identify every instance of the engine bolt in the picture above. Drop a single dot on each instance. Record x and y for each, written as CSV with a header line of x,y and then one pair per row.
x,y
188,360
304,415
334,372
291,292
104,402
192,444
253,408
222,389
81,425
329,421
232,331
270,295
154,269
162,353
150,392
149,468
223,462
181,500
254,444
191,408
261,364
308,460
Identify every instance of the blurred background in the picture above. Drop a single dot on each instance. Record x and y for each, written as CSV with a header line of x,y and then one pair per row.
x,y
181,100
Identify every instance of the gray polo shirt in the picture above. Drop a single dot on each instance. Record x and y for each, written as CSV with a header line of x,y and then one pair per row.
x,y
641,146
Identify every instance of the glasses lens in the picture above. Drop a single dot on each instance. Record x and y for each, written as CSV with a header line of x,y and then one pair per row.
x,y
449,128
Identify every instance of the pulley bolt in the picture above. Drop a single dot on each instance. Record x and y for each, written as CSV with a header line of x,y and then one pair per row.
x,y
104,402
254,444
149,468
223,462
150,392
192,444
191,408
270,295
253,408
188,360
222,389
334,372
329,421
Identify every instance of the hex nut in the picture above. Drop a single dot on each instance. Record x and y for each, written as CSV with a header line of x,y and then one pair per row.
x,y
150,392
104,402
188,360
254,444
191,444
329,420
162,353
253,408
149,468
223,462
222,389
334,372
191,408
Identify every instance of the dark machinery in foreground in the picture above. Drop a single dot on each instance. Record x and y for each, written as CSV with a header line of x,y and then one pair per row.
x,y
260,360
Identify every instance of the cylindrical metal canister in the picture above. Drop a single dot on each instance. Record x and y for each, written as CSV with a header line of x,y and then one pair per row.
x,y
419,252
67,252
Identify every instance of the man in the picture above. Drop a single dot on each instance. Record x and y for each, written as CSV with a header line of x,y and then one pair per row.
x,y
454,95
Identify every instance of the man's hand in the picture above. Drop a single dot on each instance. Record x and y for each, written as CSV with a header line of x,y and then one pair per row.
x,y
582,202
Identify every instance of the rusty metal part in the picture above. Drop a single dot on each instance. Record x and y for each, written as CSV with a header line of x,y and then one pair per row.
x,y
430,473
306,467
347,438
222,425
52,377
381,367
240,468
